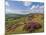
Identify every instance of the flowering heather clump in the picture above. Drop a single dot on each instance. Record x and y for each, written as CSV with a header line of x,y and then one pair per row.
x,y
32,26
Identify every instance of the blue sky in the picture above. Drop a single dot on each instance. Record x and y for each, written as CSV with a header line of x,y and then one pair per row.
x,y
24,7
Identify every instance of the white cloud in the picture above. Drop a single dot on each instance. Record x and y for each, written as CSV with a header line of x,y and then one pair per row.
x,y
7,4
33,7
41,6
37,9
8,11
27,3
15,0
16,11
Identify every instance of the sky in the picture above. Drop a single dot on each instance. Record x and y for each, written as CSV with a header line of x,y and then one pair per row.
x,y
23,7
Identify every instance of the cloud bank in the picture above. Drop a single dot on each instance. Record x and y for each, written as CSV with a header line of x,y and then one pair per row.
x,y
33,9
